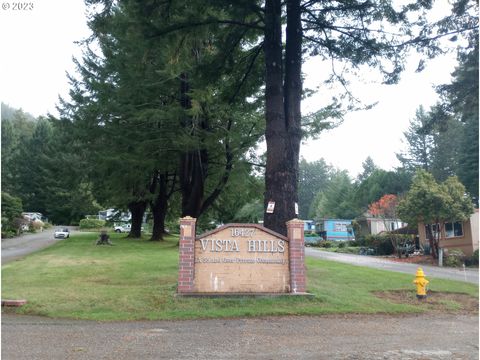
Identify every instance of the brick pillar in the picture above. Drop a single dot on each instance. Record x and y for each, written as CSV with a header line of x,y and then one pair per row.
x,y
186,265
297,256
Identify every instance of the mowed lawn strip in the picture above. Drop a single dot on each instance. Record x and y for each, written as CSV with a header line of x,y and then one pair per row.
x,y
136,279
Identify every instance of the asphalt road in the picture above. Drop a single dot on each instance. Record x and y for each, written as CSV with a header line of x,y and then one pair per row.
x,y
444,336
469,275
18,247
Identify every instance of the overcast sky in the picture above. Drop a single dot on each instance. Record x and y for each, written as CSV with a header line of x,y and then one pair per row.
x,y
38,45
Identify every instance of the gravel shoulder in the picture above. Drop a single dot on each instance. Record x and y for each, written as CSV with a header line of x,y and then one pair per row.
x,y
469,275
426,336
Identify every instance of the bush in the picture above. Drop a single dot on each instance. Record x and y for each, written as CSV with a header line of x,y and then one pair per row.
x,y
454,258
325,244
474,258
312,241
342,244
11,215
354,243
348,250
381,244
91,223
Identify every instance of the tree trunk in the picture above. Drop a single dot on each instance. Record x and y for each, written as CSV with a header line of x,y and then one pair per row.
x,y
192,174
193,163
283,117
436,244
159,209
432,241
137,209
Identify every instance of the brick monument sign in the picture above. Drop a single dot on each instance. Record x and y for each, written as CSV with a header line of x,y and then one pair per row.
x,y
241,259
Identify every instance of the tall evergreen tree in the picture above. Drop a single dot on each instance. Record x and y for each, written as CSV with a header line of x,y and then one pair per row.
x,y
460,101
379,183
419,141
313,177
32,173
173,118
335,200
17,129
368,168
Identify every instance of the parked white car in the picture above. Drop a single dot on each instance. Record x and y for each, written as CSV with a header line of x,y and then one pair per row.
x,y
61,233
122,228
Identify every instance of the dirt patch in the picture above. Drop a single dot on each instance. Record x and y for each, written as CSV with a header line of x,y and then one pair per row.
x,y
444,302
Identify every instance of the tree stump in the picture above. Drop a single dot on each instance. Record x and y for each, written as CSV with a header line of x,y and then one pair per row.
x,y
104,239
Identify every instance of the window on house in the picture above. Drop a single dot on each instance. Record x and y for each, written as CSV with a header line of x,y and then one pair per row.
x,y
453,229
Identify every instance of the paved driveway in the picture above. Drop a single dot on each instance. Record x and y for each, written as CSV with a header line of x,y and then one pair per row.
x,y
18,247
469,275
442,336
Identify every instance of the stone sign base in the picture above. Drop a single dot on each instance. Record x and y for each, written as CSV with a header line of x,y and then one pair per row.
x,y
216,294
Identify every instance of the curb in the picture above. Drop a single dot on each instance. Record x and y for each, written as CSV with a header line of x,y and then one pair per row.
x,y
15,303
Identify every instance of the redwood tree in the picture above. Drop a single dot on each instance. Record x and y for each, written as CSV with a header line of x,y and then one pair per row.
x,y
282,111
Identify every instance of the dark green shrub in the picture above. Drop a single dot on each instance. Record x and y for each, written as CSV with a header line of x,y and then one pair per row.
x,y
91,223
353,243
348,250
342,244
454,258
12,219
474,258
381,244
325,244
359,240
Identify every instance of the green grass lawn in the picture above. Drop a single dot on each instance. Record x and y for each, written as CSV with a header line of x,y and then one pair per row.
x,y
136,279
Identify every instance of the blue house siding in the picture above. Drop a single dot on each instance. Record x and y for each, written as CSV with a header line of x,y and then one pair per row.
x,y
336,229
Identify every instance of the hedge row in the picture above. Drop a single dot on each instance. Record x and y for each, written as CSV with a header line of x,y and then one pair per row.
x,y
91,223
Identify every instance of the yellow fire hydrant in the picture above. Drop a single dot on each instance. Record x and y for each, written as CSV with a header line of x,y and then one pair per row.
x,y
421,284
